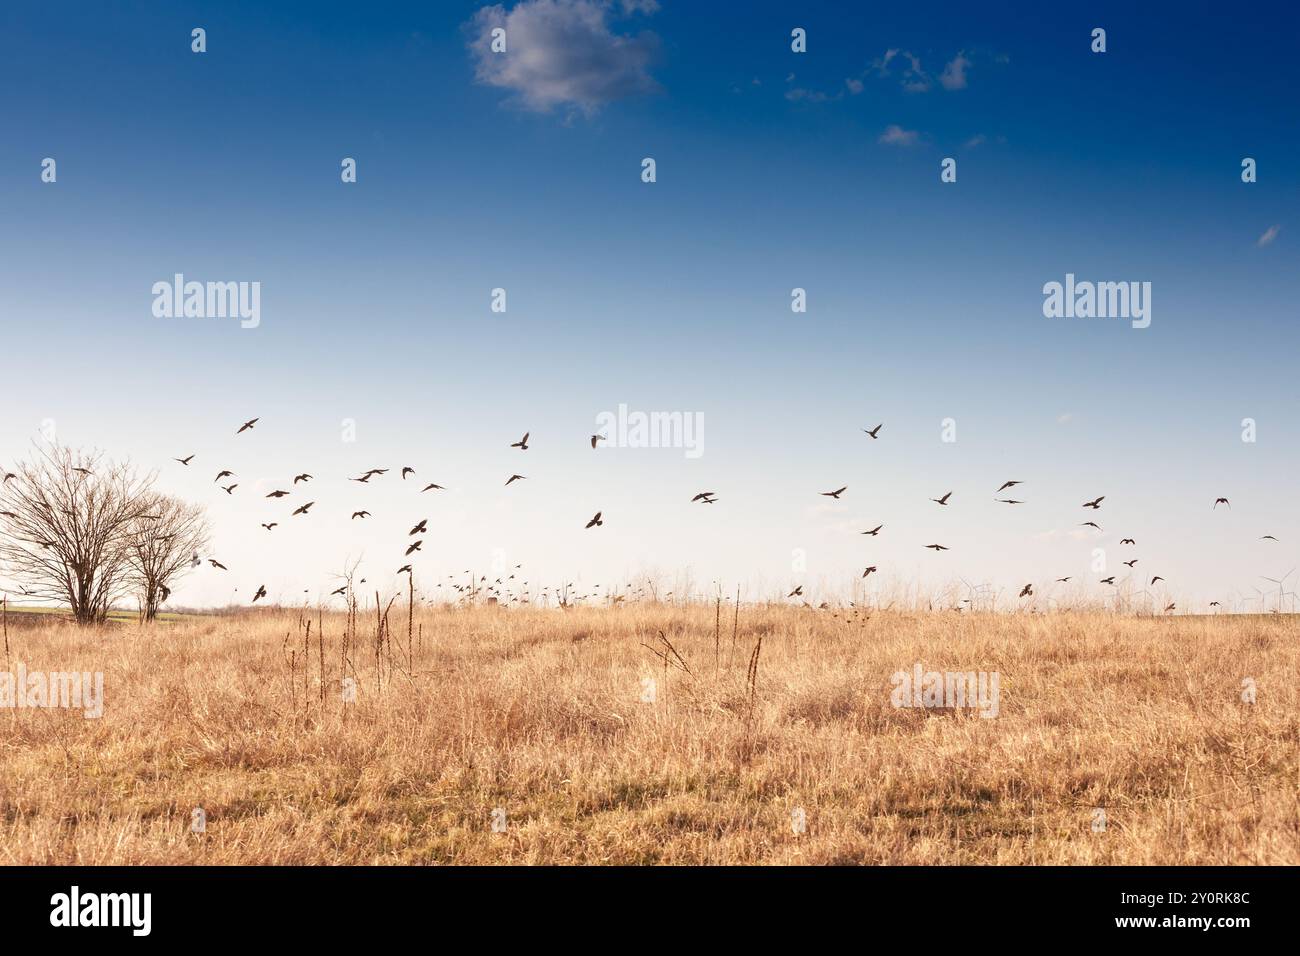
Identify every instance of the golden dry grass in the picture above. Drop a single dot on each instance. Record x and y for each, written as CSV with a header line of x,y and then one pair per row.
x,y
540,713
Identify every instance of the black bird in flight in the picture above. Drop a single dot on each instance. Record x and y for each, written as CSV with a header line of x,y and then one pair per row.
x,y
1089,524
874,432
515,478
1127,541
1170,607
797,592
596,438
216,564
834,494
522,444
303,477
407,470
595,522
223,474
404,568
703,496
943,500
1095,503
415,546
9,474
303,509
360,514
277,494
342,590
84,471
1109,580
268,527
1010,501
1006,485
184,461
868,570
1214,604
1156,578
432,487
1027,591
230,490
1267,537
1221,501
247,425
936,547
1129,564
419,528
261,593
1063,580
874,531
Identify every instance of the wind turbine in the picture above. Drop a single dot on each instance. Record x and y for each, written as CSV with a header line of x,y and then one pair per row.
x,y
1278,582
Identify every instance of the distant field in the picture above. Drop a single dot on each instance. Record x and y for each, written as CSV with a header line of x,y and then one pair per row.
x,y
16,612
1117,740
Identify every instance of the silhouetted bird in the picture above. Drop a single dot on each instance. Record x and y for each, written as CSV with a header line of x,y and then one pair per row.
x,y
184,461
1095,503
433,488
797,592
407,470
1027,591
874,531
216,564
268,527
303,509
1127,541
1063,580
595,522
360,514
245,427
277,494
261,590
1010,501
415,546
874,432
1156,578
936,547
303,477
231,490
1109,580
703,496
596,438
515,478
1090,524
943,500
1221,501
868,570
223,474
1006,485
834,494
419,528
522,444
1131,563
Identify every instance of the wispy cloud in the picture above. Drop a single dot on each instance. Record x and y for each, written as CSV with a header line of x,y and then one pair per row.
x,y
564,53
895,135
953,76
1269,235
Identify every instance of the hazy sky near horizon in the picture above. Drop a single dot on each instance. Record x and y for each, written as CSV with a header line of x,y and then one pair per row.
x,y
775,170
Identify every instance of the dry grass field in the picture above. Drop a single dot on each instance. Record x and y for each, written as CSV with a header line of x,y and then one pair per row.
x,y
540,713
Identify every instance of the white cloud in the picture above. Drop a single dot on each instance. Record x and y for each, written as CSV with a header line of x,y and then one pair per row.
x,y
895,135
855,86
953,76
563,53
1269,235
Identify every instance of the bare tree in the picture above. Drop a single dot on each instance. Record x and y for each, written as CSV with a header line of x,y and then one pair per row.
x,y
66,517
163,543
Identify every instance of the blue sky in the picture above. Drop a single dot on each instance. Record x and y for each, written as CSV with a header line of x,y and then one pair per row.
x,y
775,170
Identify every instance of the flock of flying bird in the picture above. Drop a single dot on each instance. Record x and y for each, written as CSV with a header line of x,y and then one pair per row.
x,y
703,497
